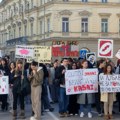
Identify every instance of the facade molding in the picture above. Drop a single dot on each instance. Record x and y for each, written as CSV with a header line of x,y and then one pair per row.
x,y
65,12
85,13
104,14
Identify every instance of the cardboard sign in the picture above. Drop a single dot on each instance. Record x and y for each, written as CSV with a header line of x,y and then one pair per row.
x,y
68,49
105,48
24,51
4,85
91,57
109,83
118,54
42,54
81,81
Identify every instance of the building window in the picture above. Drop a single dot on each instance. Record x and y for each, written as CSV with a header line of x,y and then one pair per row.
x,y
31,3
41,27
19,31
65,0
104,1
48,25
84,25
84,0
104,25
31,29
25,28
65,24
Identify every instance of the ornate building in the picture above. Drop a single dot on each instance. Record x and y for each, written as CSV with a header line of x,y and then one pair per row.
x,y
42,21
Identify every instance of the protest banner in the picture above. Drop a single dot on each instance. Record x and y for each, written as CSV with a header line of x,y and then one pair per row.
x,y
68,49
91,57
4,85
109,83
105,48
42,54
81,81
1,53
118,54
24,51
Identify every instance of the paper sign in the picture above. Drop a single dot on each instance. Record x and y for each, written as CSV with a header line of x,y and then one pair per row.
x,y
42,54
81,81
24,51
91,57
1,53
105,48
118,54
68,49
109,83
4,85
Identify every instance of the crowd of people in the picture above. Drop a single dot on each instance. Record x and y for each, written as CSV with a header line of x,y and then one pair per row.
x,y
45,83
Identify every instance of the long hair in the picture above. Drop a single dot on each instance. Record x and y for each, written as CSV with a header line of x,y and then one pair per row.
x,y
83,61
18,62
105,69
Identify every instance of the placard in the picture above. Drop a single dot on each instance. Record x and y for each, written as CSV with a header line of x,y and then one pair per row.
x,y
42,54
109,83
118,54
81,81
91,57
105,48
24,51
4,85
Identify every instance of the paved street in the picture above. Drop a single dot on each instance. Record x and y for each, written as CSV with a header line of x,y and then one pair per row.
x,y
52,115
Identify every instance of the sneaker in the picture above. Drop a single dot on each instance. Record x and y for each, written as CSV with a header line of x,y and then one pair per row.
x,y
82,114
76,114
89,115
32,118
61,115
71,114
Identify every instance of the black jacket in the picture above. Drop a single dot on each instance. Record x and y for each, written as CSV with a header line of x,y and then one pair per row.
x,y
61,76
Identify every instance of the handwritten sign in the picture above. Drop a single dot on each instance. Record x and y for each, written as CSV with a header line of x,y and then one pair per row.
x,y
68,48
42,54
109,83
24,51
81,81
4,85
118,54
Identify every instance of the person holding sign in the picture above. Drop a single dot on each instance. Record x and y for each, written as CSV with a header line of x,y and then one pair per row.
x,y
85,98
108,98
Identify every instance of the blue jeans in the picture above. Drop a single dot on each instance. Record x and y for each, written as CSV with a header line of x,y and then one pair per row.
x,y
63,101
82,108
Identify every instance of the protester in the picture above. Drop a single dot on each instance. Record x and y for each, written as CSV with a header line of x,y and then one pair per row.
x,y
101,64
63,98
11,80
85,98
52,82
36,79
5,71
108,98
17,93
73,107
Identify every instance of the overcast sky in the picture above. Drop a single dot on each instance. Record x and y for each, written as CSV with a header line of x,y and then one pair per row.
x,y
0,0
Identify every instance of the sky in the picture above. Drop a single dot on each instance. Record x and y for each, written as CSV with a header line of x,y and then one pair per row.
x,y
0,0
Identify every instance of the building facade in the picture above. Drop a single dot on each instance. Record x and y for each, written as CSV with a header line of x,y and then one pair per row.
x,y
43,21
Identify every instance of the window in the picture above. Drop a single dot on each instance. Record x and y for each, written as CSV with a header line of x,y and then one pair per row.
x,y
84,25
104,25
48,25
31,29
65,24
65,0
25,30
41,27
104,1
31,3
84,0
19,31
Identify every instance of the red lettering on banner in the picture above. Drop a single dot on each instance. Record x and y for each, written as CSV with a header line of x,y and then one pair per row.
x,y
83,88
90,73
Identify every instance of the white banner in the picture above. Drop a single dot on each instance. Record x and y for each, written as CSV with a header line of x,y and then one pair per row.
x,y
24,51
118,54
109,83
81,81
4,85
